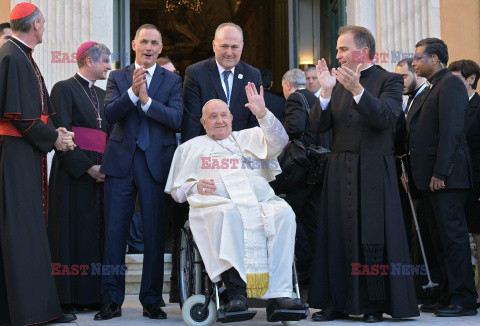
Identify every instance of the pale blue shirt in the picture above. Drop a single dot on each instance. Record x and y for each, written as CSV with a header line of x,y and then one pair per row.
x,y
134,98
230,79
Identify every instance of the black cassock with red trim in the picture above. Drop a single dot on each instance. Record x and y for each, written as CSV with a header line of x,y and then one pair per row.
x,y
27,289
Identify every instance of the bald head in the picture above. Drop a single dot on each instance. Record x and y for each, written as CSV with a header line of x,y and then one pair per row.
x,y
217,119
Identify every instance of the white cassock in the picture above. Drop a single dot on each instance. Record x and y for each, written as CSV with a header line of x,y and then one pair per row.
x,y
243,224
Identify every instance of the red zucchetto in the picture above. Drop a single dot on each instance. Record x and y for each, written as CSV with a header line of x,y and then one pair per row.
x,y
22,10
84,47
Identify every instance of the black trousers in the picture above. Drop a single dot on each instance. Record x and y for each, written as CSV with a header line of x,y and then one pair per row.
x,y
445,215
305,201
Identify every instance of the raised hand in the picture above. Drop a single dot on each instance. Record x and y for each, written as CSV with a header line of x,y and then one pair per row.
x,y
138,79
256,103
326,79
350,79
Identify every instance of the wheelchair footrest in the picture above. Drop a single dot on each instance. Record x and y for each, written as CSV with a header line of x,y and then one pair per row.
x,y
287,315
231,317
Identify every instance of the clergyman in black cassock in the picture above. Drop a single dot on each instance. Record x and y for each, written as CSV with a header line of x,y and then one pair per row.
x,y
361,223
27,289
76,225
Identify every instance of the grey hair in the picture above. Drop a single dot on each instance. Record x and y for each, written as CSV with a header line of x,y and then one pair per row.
x,y
213,99
310,69
223,25
95,52
23,25
295,77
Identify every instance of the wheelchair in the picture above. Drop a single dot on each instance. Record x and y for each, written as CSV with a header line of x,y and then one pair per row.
x,y
202,301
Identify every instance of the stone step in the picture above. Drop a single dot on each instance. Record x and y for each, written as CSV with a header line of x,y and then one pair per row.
x,y
134,275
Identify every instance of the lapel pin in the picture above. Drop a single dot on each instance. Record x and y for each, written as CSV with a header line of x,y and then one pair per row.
x,y
240,76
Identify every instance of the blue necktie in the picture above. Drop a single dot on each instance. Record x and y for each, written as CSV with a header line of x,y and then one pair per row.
x,y
143,137
226,74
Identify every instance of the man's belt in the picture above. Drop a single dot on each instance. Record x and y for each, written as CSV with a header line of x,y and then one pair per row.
x,y
7,128
90,139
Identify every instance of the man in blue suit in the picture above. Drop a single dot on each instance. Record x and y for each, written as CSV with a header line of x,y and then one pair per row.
x,y
144,105
223,77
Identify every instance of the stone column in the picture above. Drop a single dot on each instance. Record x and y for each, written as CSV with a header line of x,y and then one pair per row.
x,y
397,25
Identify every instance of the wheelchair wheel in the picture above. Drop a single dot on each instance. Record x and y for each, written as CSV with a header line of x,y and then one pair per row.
x,y
185,254
192,314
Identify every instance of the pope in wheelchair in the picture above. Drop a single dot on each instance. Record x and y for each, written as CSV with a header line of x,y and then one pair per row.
x,y
244,233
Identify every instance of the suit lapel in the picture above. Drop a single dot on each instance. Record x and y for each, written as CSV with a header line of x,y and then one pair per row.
x,y
416,105
129,74
156,81
238,84
215,79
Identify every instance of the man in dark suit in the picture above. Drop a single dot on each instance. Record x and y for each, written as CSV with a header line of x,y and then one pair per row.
x,y
274,103
440,166
221,77
303,197
144,106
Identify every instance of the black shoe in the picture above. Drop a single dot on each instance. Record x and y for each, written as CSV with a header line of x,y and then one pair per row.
x,y
286,304
153,311
109,311
433,307
455,310
64,318
375,317
328,315
236,305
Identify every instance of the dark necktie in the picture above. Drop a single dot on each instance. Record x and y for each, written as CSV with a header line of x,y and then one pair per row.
x,y
226,74
143,136
411,97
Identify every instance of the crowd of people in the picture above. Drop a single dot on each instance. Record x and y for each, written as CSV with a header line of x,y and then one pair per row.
x,y
213,141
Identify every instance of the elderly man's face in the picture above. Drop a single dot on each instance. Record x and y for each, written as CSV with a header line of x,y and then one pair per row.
x,y
228,46
312,81
217,120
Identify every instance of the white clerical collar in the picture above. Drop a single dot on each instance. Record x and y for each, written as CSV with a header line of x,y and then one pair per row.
x,y
150,70
471,96
90,83
371,65
221,69
19,40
